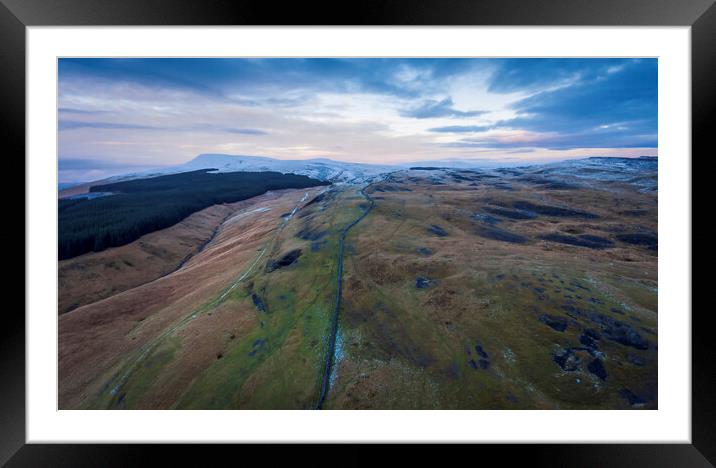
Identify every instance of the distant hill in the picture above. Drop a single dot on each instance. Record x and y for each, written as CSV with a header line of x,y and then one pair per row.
x,y
321,168
335,171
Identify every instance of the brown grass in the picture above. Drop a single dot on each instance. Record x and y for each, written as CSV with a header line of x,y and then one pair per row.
x,y
95,340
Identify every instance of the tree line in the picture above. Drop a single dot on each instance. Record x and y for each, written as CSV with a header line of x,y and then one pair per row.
x,y
142,206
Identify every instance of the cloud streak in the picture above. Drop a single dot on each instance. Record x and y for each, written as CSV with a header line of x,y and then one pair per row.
x,y
461,129
75,125
443,108
245,131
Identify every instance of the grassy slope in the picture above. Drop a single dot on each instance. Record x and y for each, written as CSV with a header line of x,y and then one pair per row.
x,y
272,359
410,348
141,206
95,275
399,346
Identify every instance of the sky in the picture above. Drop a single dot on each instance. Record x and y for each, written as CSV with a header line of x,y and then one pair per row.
x,y
123,115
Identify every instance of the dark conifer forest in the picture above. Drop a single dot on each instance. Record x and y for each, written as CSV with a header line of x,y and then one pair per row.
x,y
138,207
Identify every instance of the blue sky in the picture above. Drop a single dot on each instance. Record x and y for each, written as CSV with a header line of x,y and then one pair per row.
x,y
119,115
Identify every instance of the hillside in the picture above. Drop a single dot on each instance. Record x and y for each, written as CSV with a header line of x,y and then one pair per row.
x,y
94,276
321,168
519,288
136,207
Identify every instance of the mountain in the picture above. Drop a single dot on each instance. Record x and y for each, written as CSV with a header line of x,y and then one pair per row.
x,y
345,172
320,168
338,172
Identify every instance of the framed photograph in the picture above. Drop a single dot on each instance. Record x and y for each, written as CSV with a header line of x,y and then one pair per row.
x,y
411,225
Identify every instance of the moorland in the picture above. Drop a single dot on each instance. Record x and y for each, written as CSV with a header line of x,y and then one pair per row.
x,y
420,288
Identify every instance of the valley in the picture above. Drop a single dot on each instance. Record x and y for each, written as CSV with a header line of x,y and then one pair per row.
x,y
425,288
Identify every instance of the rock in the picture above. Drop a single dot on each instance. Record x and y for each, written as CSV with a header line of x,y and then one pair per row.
x,y
592,242
288,259
556,323
316,199
510,213
437,230
486,218
635,360
423,283
500,235
633,399
597,368
612,329
626,335
589,338
258,302
552,210
648,240
567,360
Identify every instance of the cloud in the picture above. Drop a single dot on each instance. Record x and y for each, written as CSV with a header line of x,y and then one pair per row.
x,y
84,163
555,141
85,169
69,110
165,111
245,131
530,74
617,107
228,78
432,109
461,129
75,124
68,164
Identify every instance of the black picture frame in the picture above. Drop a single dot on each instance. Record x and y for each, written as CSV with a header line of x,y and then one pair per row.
x,y
16,15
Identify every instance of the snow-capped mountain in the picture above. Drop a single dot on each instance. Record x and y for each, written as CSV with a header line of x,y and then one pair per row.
x,y
624,169
322,169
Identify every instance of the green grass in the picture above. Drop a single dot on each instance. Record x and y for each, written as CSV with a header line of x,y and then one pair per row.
x,y
285,370
389,326
404,347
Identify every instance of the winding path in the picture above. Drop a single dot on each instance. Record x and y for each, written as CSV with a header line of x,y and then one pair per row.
x,y
337,307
